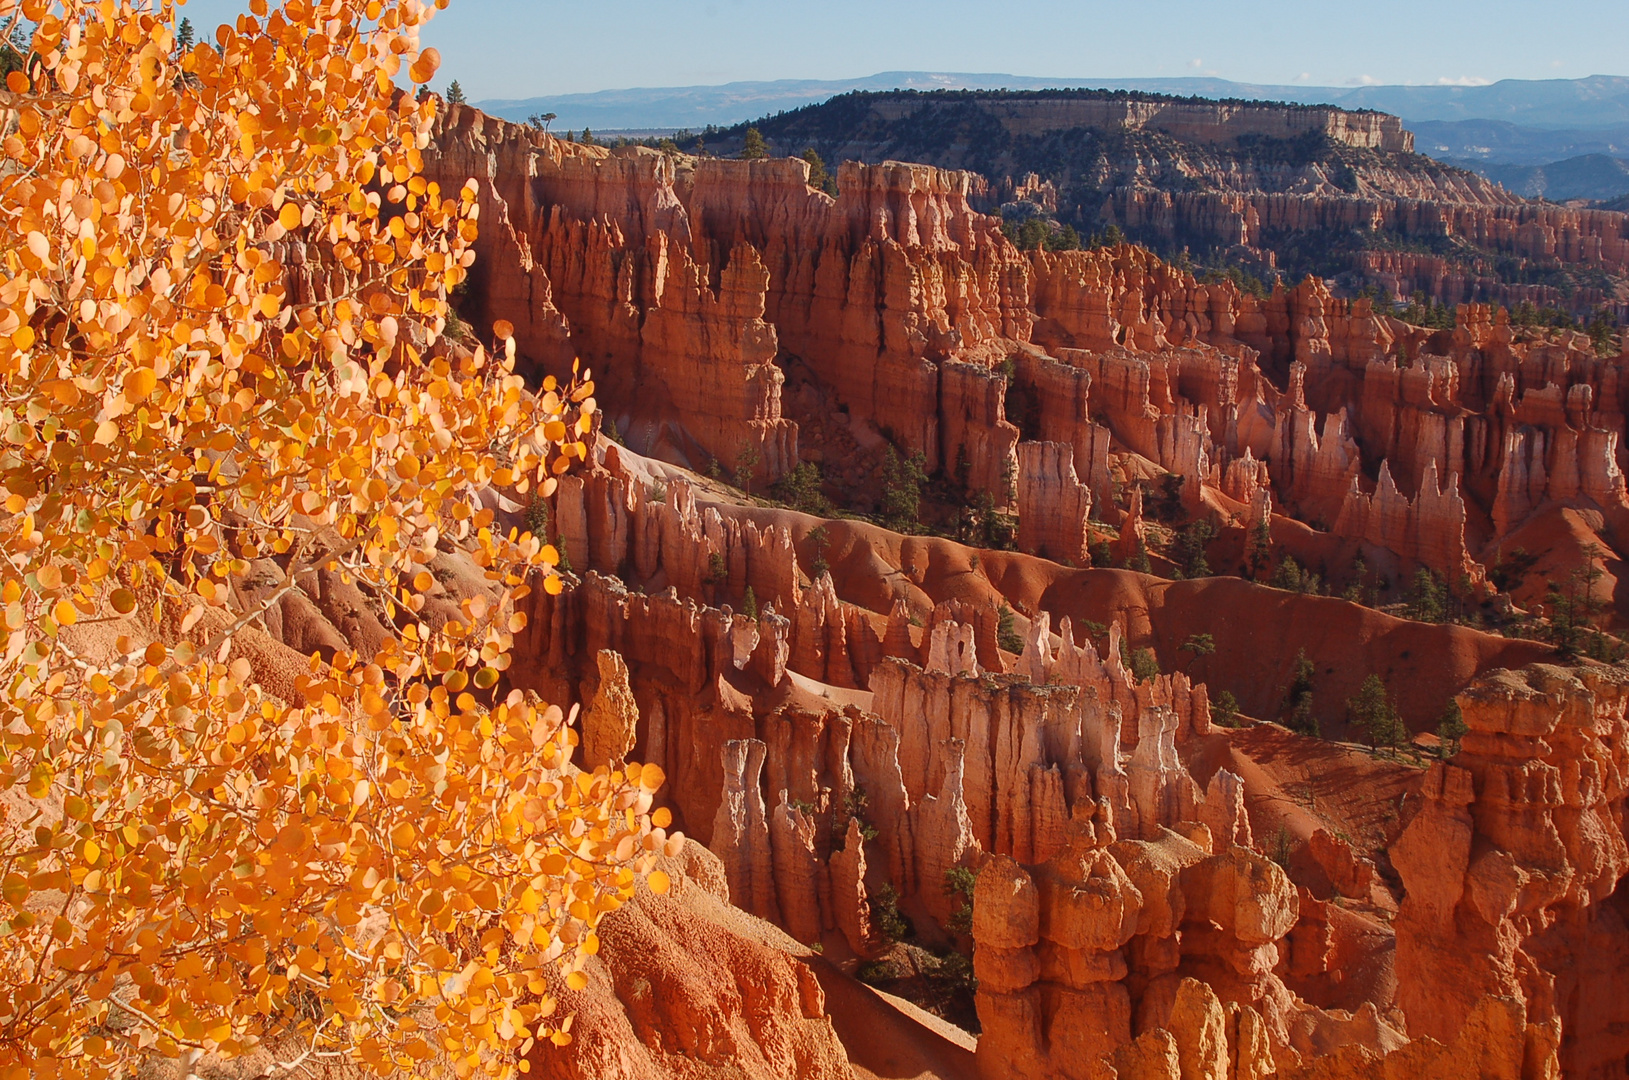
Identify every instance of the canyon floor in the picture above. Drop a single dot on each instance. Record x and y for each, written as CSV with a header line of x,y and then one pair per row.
x,y
1063,667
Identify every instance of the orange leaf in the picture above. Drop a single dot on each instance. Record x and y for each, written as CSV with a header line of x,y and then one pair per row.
x,y
659,882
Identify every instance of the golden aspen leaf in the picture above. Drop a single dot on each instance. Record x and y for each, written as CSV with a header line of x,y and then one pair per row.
x,y
423,582
289,217
49,577
659,882
17,82
123,601
553,585
65,613
662,818
403,835
139,383
91,852
578,981
23,336
503,329
425,67
486,679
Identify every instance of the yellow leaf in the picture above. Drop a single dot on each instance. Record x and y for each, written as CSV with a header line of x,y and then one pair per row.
x,y
425,67
23,336
289,217
138,384
577,981
92,852
659,882
65,613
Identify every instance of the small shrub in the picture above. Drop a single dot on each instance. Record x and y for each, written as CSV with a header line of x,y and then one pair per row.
x,y
749,605
877,972
537,517
1372,713
1142,663
902,480
1450,730
1224,710
1282,848
1007,637
889,921
800,489
1298,697
960,881
1292,578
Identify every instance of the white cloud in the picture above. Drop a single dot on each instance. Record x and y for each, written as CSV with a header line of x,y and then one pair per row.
x,y
1196,62
1363,80
1464,80
1303,77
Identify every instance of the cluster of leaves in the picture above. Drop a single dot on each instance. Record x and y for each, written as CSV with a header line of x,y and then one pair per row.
x,y
1451,728
1428,597
959,883
902,480
1291,577
800,488
1297,707
1371,712
820,540
1188,551
855,806
1035,233
1008,639
1575,612
984,526
1142,663
1199,645
192,863
819,178
1601,327
886,917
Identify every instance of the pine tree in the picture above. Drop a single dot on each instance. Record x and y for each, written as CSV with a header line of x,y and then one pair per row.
x,y
455,94
1372,712
1450,730
1298,697
753,146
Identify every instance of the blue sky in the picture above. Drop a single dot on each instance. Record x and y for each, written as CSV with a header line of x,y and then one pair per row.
x,y
524,48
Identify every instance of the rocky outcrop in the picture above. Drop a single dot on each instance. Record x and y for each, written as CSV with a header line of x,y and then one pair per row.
x,y
1053,505
1513,865
681,982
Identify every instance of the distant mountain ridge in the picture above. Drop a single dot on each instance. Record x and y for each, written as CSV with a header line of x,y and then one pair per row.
x,y
1599,101
1589,176
1513,144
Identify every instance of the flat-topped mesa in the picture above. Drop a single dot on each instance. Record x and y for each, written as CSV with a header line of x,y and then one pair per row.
x,y
1209,122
